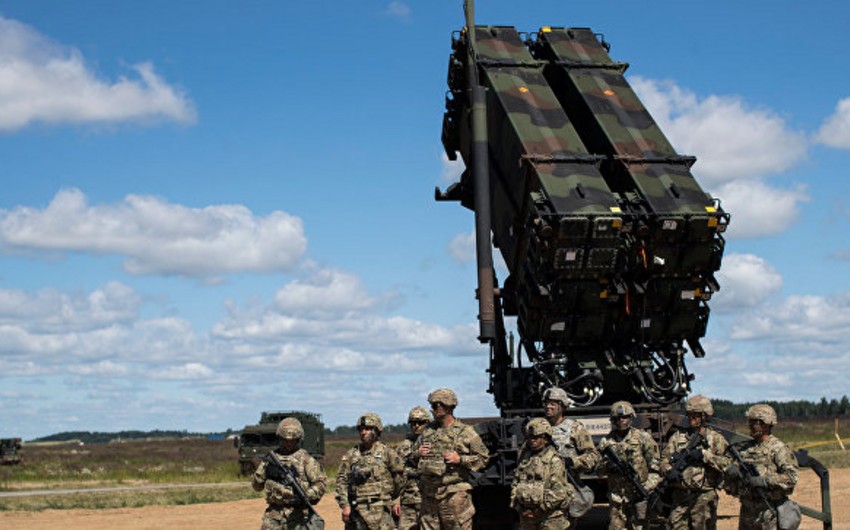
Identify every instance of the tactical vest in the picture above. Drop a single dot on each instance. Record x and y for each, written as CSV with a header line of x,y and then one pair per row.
x,y
531,476
432,468
768,458
373,467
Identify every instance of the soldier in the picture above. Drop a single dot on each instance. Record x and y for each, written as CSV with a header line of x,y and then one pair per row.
x,y
764,494
575,446
638,449
540,491
407,510
369,478
448,451
694,488
285,511
569,436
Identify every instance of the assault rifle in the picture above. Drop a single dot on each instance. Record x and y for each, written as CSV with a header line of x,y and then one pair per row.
x,y
288,475
748,471
679,461
625,469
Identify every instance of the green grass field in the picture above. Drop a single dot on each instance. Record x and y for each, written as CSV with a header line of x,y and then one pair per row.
x,y
201,461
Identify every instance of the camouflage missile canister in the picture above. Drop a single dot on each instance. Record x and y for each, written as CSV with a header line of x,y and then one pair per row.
x,y
559,223
610,242
678,242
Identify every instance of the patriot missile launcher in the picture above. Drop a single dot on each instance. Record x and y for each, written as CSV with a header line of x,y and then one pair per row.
x,y
611,245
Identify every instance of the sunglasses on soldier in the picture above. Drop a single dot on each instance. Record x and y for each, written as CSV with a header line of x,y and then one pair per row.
x,y
435,405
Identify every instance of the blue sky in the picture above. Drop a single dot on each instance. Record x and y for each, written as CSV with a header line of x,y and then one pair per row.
x,y
211,209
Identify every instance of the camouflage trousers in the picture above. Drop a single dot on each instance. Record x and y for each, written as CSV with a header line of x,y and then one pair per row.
x,y
693,510
284,519
626,515
454,512
755,515
372,516
409,519
558,522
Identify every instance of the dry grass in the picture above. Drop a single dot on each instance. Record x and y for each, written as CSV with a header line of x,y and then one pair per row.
x,y
201,461
160,461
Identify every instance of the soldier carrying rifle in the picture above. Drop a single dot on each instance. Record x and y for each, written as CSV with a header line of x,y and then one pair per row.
x,y
763,475
630,460
692,465
292,481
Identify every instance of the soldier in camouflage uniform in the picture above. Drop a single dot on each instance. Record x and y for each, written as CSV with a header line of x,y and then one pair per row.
x,y
448,451
573,442
285,511
369,478
540,491
569,436
407,510
638,448
777,468
694,491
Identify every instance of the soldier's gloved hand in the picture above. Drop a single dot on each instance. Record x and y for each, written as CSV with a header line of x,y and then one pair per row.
x,y
733,472
757,482
283,492
695,455
612,467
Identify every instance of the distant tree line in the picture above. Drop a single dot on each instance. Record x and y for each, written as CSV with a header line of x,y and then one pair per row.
x,y
105,437
798,409
346,430
723,409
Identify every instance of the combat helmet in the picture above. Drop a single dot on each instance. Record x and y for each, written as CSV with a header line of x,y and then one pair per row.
x,y
762,412
538,427
699,403
557,394
445,396
370,419
290,429
418,414
622,408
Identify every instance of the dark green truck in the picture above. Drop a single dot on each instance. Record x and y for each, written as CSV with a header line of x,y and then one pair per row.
x,y
256,440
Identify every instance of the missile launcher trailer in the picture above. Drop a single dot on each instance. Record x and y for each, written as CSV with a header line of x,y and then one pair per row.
x,y
610,243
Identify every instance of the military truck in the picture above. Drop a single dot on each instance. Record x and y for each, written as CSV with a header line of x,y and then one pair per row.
x,y
9,448
255,441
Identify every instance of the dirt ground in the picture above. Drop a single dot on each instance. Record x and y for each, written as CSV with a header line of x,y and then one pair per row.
x,y
246,514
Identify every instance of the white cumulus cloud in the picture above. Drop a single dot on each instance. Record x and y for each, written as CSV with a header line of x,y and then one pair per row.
x,y
759,209
158,237
730,138
804,323
835,131
51,310
326,290
41,81
451,169
746,281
